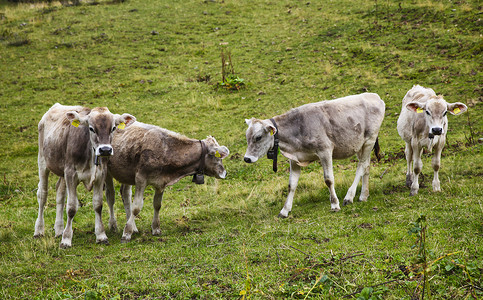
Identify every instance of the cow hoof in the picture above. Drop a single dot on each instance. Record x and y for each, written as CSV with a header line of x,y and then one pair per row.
x,y
413,193
347,201
65,246
38,235
156,232
335,209
125,240
281,216
103,242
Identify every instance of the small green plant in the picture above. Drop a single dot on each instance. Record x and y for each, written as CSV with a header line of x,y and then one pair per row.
x,y
247,292
229,80
419,229
369,293
232,82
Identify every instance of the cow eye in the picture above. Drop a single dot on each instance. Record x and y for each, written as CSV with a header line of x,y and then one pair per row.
x,y
92,129
444,114
258,138
427,112
113,128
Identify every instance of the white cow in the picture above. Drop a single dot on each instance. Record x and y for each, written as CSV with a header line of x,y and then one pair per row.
x,y
423,123
74,143
321,131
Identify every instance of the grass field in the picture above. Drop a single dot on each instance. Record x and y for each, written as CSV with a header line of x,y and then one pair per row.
x,y
161,62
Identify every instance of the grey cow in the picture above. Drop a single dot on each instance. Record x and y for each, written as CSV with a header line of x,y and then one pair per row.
x,y
74,143
423,123
149,155
326,130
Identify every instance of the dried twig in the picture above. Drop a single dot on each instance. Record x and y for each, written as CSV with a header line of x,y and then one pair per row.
x,y
308,255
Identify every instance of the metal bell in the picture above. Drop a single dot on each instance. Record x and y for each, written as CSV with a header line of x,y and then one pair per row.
x,y
198,178
271,154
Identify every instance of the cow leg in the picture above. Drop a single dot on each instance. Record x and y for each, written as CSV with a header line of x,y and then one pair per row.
x,y
292,185
409,158
326,162
365,183
158,198
111,198
42,192
60,203
126,194
435,163
72,206
135,210
418,166
365,160
362,171
101,237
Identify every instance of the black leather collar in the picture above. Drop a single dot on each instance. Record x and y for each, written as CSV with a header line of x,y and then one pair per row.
x,y
199,177
273,152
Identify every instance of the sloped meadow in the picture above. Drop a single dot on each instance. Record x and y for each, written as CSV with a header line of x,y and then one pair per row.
x,y
162,62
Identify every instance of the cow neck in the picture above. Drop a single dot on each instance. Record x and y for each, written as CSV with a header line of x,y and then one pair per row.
x,y
199,177
273,152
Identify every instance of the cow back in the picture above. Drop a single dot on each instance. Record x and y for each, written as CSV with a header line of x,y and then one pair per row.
x,y
343,124
151,151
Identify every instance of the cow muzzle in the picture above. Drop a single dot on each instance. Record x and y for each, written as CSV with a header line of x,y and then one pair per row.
x,y
250,159
104,150
437,130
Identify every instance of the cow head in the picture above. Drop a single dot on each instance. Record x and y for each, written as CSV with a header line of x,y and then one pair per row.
x,y
101,123
213,158
435,110
260,138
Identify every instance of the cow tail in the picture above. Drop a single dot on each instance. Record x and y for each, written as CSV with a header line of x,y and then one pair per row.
x,y
377,149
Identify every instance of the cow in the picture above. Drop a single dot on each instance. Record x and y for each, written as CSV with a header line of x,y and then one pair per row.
x,y
74,144
323,131
150,155
423,123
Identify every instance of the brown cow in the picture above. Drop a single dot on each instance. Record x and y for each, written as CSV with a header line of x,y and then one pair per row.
x,y
149,155
74,144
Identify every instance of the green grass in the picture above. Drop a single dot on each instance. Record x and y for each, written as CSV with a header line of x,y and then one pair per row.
x,y
161,61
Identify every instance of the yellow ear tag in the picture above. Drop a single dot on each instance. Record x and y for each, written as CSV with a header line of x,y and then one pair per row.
x,y
75,123
419,110
217,154
121,125
456,110
272,132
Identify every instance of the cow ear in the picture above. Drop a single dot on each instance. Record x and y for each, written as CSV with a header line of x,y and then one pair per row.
x,y
75,119
415,107
457,108
272,129
125,119
219,152
248,121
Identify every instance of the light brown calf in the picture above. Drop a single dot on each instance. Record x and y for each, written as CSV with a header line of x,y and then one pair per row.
x,y
149,155
74,143
321,131
423,123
